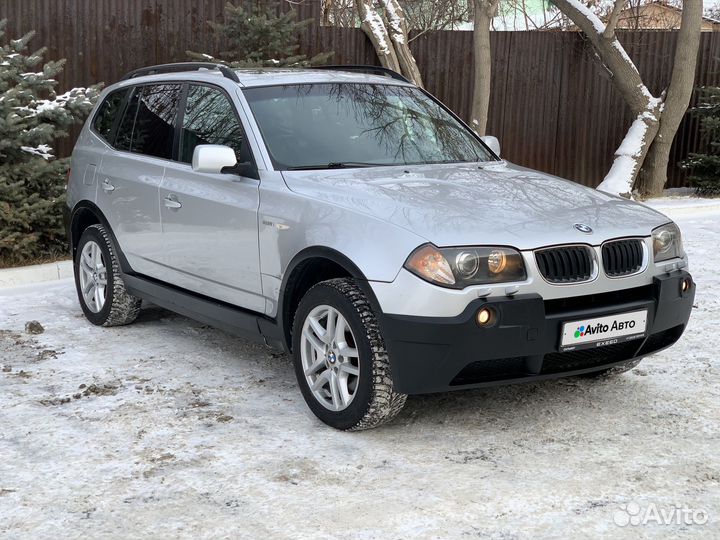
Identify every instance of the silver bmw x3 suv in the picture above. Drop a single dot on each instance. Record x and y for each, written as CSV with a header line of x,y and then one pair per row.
x,y
348,217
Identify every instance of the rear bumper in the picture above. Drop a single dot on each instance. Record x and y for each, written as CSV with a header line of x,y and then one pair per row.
x,y
434,354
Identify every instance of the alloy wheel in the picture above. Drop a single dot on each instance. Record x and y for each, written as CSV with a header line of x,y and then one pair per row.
x,y
330,360
93,277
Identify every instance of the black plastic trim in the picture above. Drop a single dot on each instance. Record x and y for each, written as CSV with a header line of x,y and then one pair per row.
x,y
67,221
179,120
227,317
428,353
318,252
91,207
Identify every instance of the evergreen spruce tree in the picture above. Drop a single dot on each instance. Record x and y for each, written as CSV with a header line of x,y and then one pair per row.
x,y
705,168
259,36
32,180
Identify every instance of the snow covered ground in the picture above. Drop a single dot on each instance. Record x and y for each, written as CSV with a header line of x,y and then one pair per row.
x,y
170,429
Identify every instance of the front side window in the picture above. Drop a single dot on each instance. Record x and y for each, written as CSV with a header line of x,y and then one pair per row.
x,y
210,119
107,113
308,126
148,126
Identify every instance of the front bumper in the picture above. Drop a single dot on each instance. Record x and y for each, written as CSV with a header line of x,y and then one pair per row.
x,y
434,354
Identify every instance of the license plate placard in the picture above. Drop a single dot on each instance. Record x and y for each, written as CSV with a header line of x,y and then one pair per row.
x,y
602,331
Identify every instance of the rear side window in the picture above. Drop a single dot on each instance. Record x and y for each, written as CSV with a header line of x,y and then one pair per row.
x,y
107,114
210,119
148,126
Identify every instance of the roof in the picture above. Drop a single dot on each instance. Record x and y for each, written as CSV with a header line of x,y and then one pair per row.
x,y
251,77
666,5
273,76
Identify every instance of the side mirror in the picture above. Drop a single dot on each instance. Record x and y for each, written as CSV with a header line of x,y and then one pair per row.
x,y
492,143
213,158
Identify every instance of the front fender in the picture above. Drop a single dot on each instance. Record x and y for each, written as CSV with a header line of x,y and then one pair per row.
x,y
290,223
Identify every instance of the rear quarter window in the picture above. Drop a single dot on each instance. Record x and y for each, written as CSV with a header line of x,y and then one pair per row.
x,y
104,120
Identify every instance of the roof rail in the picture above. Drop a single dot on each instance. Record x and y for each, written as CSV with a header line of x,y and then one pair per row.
x,y
372,70
180,67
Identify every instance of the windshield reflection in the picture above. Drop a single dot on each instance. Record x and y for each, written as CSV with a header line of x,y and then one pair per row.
x,y
334,125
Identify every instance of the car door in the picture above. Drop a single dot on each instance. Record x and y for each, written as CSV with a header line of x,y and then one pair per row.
x,y
130,174
209,221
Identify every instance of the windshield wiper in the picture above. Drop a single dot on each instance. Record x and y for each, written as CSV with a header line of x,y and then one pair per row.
x,y
335,165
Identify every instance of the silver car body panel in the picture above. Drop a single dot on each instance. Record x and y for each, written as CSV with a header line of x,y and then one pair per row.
x,y
210,244
487,204
127,195
234,238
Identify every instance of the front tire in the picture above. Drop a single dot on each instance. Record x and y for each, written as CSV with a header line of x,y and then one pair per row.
x,y
341,363
98,281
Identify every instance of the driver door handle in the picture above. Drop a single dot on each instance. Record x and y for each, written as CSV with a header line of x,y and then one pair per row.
x,y
172,202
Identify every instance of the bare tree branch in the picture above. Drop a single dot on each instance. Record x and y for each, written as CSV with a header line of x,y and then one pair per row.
x,y
612,54
632,151
613,19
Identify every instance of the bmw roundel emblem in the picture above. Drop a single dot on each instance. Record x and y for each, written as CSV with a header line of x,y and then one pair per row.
x,y
583,228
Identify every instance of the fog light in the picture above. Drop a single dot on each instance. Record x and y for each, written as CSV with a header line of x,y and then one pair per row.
x,y
485,316
685,286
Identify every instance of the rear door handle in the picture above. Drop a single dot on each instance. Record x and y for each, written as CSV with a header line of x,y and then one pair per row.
x,y
107,186
172,202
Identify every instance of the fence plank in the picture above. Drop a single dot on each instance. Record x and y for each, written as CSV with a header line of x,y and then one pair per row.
x,y
552,106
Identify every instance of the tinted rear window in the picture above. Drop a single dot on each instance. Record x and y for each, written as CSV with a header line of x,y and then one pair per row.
x,y
148,126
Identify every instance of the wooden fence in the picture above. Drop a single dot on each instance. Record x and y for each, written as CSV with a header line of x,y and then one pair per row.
x,y
552,106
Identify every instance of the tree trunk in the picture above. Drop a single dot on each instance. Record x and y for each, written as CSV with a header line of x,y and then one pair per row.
x,y
631,153
484,11
374,26
656,122
327,8
397,28
653,175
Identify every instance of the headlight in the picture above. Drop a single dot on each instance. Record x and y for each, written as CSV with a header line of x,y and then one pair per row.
x,y
458,268
667,242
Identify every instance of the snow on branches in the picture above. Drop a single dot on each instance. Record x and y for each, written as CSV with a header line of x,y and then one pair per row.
x,y
383,21
646,146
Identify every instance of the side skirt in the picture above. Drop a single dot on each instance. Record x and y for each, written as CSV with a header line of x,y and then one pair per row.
x,y
231,319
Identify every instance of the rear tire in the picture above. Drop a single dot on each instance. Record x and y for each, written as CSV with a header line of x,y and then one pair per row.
x,y
615,370
98,280
341,363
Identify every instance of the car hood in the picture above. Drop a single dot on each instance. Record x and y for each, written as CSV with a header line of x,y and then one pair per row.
x,y
492,203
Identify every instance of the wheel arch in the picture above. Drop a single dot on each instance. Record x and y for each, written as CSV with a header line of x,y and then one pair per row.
x,y
309,267
84,214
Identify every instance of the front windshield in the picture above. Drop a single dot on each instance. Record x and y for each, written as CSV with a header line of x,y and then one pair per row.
x,y
327,125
